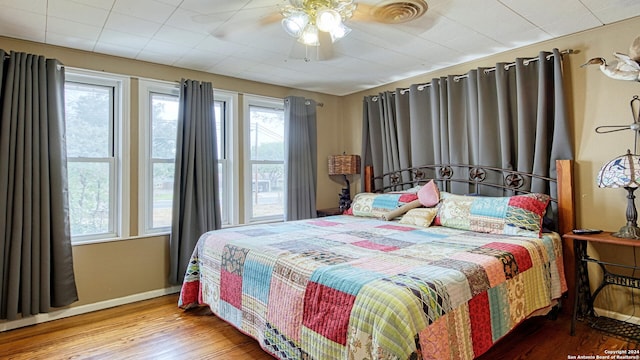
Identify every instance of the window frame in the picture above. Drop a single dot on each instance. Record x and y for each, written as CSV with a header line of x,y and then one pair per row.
x,y
146,87
248,102
230,194
119,173
230,147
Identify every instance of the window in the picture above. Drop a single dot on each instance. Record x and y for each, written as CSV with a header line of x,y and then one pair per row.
x,y
265,185
164,127
225,103
159,125
94,111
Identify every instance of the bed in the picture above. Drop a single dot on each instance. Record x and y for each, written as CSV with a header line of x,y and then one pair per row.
x,y
362,287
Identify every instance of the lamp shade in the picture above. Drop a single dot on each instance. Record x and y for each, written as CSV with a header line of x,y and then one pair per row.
x,y
623,171
295,23
344,164
328,19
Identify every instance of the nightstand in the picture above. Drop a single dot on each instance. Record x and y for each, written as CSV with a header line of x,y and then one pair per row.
x,y
583,301
329,212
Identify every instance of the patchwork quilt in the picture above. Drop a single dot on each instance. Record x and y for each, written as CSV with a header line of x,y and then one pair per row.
x,y
346,287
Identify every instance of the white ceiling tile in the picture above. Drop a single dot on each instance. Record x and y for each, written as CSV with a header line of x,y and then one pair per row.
x,y
179,36
22,24
79,13
525,37
150,10
132,25
116,49
200,58
73,29
174,3
184,19
231,66
34,6
613,10
102,4
212,21
452,35
114,37
214,44
154,57
70,41
164,48
578,23
273,4
250,26
213,6
568,16
496,20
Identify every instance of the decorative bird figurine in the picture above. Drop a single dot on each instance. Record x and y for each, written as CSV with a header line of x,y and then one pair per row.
x,y
625,67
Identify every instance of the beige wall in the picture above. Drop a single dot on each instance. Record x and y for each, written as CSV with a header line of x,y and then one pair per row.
x,y
594,100
116,269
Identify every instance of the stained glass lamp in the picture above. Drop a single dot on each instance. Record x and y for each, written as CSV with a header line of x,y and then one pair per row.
x,y
624,172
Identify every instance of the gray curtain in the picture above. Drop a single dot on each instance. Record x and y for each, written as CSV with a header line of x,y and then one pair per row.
x,y
36,262
301,158
513,117
196,203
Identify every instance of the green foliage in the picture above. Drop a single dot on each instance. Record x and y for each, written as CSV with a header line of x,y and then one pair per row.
x,y
88,133
88,197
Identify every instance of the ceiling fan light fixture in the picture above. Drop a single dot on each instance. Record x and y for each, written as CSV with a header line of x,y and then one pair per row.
x,y
295,23
310,36
339,32
328,19
303,19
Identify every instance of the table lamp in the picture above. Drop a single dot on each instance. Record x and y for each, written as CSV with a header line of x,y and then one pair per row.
x,y
624,171
344,165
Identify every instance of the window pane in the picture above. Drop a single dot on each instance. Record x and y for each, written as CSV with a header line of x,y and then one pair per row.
x,y
222,195
267,190
89,197
267,133
88,117
162,194
219,114
164,124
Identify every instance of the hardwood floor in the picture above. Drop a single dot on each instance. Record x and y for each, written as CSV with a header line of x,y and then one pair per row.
x,y
157,329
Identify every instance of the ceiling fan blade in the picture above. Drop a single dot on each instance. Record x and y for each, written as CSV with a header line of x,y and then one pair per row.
x,y
228,23
634,49
325,49
363,13
212,18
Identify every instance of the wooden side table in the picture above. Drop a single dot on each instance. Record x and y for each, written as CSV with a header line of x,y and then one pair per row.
x,y
329,212
583,298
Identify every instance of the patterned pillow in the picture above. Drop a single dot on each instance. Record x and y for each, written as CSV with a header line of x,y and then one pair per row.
x,y
515,215
420,217
376,205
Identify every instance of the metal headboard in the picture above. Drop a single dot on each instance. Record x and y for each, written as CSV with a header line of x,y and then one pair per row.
x,y
479,179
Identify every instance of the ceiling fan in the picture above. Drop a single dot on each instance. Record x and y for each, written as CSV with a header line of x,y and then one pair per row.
x,y
317,24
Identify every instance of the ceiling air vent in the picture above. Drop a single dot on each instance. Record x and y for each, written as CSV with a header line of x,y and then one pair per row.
x,y
400,12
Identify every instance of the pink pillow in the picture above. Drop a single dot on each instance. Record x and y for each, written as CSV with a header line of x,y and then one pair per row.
x,y
429,194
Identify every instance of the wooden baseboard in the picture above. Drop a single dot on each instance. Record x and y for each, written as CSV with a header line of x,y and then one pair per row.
x,y
87,308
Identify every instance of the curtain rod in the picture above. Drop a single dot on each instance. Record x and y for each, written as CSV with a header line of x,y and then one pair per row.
x,y
59,66
308,102
487,70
